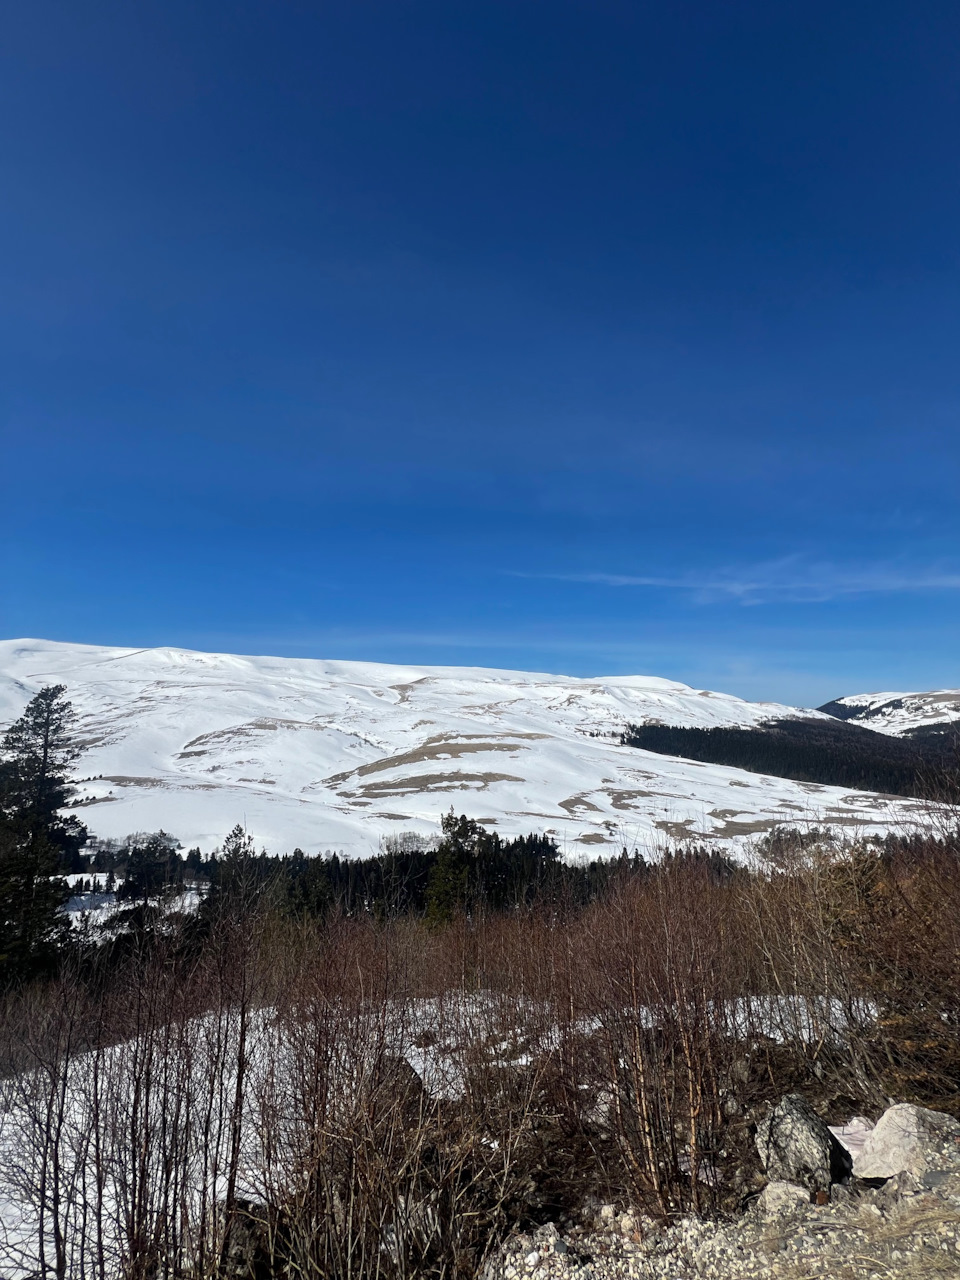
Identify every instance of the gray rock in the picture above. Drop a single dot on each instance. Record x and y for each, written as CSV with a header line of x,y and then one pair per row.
x,y
796,1146
891,1196
910,1139
600,1110
247,1253
782,1197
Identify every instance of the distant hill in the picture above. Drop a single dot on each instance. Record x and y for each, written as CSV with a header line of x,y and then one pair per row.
x,y
338,755
928,716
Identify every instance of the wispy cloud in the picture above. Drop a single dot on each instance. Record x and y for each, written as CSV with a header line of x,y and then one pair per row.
x,y
789,579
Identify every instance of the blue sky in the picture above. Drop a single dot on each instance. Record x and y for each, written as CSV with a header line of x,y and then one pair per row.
x,y
589,337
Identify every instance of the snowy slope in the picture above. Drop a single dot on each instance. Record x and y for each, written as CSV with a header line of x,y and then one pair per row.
x,y
335,755
899,714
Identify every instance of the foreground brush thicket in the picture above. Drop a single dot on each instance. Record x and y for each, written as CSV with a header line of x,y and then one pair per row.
x,y
338,1096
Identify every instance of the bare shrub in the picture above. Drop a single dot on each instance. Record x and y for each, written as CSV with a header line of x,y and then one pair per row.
x,y
374,1098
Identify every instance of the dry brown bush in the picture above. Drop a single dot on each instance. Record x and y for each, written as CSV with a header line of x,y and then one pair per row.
x,y
253,1100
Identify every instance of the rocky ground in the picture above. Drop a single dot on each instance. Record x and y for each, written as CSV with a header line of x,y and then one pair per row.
x,y
902,1222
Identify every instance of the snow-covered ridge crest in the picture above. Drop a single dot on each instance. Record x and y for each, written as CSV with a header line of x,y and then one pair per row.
x,y
335,755
900,714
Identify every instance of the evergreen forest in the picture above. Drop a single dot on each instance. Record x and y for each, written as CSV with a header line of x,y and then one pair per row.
x,y
816,751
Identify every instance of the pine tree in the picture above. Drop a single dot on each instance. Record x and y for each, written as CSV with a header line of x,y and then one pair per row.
x,y
38,750
153,868
153,873
239,880
32,925
449,884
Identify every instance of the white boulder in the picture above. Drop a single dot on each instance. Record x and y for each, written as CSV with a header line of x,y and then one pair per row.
x,y
910,1139
782,1197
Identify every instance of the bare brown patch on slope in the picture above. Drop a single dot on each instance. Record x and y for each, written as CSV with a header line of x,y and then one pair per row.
x,y
574,804
434,782
437,748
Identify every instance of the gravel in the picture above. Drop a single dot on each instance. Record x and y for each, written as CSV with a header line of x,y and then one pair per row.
x,y
906,1228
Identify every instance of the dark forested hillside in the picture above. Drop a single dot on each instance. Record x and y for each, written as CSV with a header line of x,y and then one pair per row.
x,y
840,754
843,710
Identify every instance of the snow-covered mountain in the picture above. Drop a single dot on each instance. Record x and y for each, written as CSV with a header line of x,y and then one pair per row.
x,y
336,755
900,714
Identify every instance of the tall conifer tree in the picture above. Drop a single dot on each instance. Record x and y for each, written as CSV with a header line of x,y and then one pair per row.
x,y
38,751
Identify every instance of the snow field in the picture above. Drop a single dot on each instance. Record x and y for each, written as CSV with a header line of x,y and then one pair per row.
x,y
337,755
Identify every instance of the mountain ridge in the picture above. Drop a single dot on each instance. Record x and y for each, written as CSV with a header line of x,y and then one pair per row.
x,y
326,754
930,714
